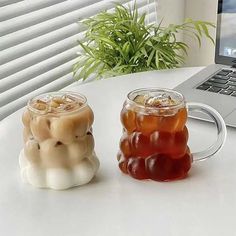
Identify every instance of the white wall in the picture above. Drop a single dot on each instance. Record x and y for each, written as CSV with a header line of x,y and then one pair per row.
x,y
175,11
171,11
201,10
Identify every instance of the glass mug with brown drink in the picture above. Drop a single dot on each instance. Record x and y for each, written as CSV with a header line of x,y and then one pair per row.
x,y
58,148
154,141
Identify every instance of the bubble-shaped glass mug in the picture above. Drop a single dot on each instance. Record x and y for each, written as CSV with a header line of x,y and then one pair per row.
x,y
154,141
58,148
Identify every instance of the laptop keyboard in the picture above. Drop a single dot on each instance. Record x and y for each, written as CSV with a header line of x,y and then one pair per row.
x,y
224,82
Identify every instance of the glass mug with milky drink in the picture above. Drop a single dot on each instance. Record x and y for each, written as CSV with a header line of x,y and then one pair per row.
x,y
58,148
154,142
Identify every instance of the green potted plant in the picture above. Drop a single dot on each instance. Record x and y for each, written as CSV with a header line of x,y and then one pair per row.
x,y
120,42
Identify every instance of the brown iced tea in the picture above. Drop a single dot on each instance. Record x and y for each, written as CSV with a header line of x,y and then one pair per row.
x,y
154,140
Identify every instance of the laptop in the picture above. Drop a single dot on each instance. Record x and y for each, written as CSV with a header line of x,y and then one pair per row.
x,y
216,84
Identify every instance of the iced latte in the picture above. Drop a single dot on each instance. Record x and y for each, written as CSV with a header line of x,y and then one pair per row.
x,y
58,141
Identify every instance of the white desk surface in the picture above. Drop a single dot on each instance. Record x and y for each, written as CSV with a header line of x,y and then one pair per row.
x,y
204,204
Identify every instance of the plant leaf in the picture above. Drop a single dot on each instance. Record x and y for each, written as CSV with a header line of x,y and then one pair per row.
x,y
120,42
150,57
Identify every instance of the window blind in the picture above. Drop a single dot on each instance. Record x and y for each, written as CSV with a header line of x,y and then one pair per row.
x,y
38,44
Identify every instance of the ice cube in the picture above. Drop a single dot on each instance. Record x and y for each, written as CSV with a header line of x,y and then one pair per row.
x,y
140,99
57,104
160,100
40,105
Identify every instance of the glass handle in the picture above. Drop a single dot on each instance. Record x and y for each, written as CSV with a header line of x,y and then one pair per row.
x,y
221,130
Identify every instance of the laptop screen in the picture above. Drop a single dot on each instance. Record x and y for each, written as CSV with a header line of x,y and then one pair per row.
x,y
227,42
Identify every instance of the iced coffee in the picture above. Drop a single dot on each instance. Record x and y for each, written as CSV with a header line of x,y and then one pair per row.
x,y
58,148
154,141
